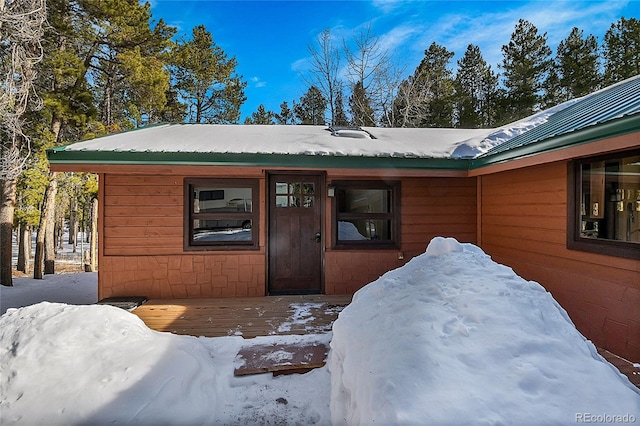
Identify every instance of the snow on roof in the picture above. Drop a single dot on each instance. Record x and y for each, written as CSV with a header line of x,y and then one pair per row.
x,y
292,140
426,143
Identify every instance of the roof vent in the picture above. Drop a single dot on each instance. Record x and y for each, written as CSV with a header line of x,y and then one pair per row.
x,y
351,132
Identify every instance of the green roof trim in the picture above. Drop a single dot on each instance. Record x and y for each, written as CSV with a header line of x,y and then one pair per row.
x,y
613,128
62,156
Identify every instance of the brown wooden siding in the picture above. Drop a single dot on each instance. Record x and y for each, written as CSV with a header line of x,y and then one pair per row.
x,y
524,225
433,207
143,254
143,215
430,207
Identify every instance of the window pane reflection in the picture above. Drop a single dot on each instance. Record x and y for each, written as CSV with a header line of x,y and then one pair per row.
x,y
220,200
222,230
364,229
610,199
364,201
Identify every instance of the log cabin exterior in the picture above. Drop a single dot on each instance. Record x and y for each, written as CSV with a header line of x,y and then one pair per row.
x,y
317,212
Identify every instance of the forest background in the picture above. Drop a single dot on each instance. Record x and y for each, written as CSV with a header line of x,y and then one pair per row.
x,y
75,70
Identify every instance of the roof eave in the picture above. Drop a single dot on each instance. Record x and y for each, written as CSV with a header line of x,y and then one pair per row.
x,y
61,156
610,129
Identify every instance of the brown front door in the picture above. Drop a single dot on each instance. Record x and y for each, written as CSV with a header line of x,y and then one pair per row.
x,y
295,239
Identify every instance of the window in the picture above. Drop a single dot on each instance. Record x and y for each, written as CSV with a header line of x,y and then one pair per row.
x,y
221,214
299,194
604,212
366,214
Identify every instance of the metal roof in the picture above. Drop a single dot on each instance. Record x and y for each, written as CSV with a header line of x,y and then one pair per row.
x,y
611,103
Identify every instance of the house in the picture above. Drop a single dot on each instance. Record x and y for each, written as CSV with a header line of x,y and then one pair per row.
x,y
191,210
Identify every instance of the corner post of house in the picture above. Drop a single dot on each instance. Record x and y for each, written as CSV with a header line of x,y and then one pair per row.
x,y
101,200
479,210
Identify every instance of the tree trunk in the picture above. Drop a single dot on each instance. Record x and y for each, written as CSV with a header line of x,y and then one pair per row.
x,y
46,225
73,222
94,235
7,206
49,235
24,249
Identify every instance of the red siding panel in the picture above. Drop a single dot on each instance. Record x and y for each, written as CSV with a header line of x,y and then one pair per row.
x,y
524,225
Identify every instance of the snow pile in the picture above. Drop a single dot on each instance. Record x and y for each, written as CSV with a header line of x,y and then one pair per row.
x,y
455,338
63,364
449,338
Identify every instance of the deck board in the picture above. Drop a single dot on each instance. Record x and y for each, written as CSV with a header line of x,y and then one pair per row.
x,y
243,316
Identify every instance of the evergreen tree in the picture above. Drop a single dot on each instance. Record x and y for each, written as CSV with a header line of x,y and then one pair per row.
x,y
476,88
285,116
553,92
577,66
260,116
621,50
361,111
123,60
311,108
430,91
340,117
526,62
206,79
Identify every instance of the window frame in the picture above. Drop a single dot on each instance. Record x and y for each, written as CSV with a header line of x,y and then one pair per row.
x,y
393,216
575,241
190,215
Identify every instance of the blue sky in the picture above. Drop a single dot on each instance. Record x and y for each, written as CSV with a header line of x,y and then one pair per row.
x,y
270,39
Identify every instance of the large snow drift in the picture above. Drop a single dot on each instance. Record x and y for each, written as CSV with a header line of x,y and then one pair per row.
x,y
455,338
63,364
451,337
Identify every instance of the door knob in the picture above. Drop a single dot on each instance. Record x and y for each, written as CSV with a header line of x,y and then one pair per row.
x,y
317,237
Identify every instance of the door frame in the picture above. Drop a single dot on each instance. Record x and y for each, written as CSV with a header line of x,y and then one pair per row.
x,y
322,178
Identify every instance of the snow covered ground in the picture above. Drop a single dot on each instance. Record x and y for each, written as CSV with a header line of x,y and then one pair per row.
x,y
450,338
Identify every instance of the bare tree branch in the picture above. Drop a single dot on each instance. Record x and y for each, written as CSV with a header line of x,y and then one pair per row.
x,y
21,31
325,63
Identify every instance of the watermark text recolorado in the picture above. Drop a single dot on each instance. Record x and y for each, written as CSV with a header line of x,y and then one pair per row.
x,y
605,418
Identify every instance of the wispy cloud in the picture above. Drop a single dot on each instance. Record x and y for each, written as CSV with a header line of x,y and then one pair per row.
x,y
491,31
257,83
406,28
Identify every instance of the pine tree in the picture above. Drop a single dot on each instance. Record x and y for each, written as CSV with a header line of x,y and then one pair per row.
x,y
260,116
361,111
285,116
476,88
621,50
206,79
124,59
432,89
526,62
311,108
577,64
341,117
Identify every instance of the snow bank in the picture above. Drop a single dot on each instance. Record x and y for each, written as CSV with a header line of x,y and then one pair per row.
x,y
63,364
455,338
90,362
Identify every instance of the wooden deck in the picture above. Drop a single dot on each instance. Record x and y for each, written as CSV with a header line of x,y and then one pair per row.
x,y
626,367
266,316
243,316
